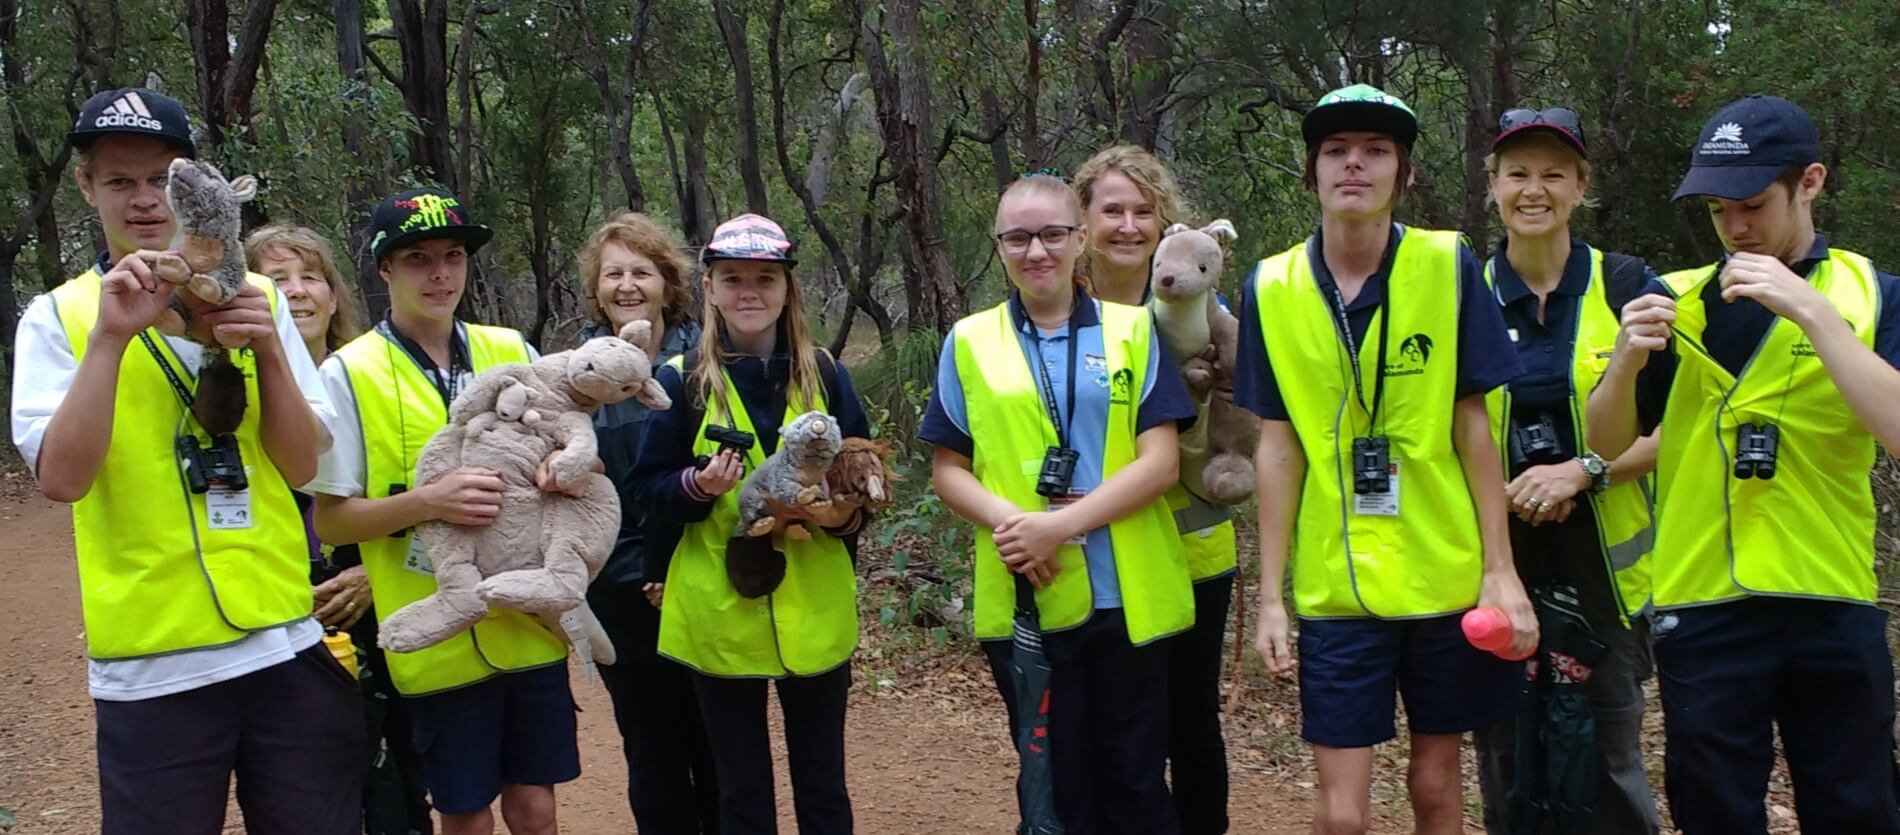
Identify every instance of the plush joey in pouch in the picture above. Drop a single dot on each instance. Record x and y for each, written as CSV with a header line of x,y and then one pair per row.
x,y
544,548
1217,452
209,263
792,477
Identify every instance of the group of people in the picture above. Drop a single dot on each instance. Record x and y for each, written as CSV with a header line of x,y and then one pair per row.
x,y
1627,467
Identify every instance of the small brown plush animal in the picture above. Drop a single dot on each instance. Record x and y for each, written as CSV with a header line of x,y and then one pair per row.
x,y
544,548
1217,453
862,473
211,268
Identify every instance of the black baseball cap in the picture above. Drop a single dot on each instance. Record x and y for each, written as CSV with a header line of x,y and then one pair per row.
x,y
1360,107
1746,145
1561,122
421,214
136,111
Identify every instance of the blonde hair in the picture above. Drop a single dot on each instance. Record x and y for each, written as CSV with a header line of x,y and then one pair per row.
x,y
707,380
640,235
1583,165
1045,185
1142,168
347,323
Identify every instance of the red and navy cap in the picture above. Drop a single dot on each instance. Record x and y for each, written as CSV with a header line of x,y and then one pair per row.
x,y
1746,145
136,111
749,237
1561,122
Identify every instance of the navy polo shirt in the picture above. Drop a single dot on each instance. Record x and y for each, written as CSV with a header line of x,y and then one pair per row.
x,y
1735,329
1485,357
1545,345
1164,397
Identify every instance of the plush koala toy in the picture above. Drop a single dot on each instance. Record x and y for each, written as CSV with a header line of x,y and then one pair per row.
x,y
544,548
793,477
211,268
1217,453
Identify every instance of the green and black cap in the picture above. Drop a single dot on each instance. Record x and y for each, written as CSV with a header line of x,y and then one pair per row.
x,y
1360,107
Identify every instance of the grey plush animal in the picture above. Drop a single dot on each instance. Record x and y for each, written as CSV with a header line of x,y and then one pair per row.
x,y
793,477
212,268
1217,452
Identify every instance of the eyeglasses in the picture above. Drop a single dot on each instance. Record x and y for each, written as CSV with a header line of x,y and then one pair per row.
x,y
1561,118
1054,238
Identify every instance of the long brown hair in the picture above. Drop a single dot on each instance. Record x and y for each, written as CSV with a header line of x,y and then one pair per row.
x,y
707,380
347,323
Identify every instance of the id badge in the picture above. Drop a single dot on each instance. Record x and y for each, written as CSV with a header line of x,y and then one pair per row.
x,y
417,559
1054,505
228,510
1380,504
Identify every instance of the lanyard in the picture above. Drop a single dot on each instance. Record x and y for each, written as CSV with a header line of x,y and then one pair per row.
x,y
1049,388
448,385
178,385
1352,351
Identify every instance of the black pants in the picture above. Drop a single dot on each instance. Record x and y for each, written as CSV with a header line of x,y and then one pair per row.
x,y
1197,752
395,798
293,734
1108,726
670,784
814,708
1820,670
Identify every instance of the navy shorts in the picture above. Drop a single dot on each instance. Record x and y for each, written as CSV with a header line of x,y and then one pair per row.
x,y
1353,670
516,728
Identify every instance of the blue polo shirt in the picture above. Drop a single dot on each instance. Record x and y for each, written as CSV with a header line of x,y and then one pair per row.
x,y
1735,329
1545,345
1163,398
1486,359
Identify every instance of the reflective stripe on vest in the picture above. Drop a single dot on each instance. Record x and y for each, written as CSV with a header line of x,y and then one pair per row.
x,y
1626,529
1207,534
1809,531
806,627
1011,431
154,577
399,410
1429,559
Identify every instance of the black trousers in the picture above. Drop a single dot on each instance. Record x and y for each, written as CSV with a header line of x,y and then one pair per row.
x,y
292,733
814,708
1197,751
670,784
1819,670
395,797
1108,726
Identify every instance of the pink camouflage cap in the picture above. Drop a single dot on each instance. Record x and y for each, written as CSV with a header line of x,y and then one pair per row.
x,y
749,237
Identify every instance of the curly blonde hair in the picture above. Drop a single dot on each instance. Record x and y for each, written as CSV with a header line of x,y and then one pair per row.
x,y
1147,172
642,236
318,257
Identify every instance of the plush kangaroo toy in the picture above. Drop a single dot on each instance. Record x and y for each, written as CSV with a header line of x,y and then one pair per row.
x,y
212,268
1217,454
542,551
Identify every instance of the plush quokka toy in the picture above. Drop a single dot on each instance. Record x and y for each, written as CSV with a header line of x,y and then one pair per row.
x,y
1217,454
544,548
792,477
212,268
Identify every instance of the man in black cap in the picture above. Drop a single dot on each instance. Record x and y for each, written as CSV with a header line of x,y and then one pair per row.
x,y
204,660
1772,374
492,710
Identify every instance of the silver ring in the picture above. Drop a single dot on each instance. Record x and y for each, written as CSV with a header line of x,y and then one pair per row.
x,y
350,606
1540,504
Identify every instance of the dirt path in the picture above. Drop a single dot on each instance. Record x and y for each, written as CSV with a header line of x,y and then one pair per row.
x,y
926,756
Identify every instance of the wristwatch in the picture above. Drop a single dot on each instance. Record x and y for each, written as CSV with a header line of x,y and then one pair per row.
x,y
1597,469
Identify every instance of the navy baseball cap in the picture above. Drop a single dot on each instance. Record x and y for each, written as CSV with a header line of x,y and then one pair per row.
x,y
1746,145
421,214
136,111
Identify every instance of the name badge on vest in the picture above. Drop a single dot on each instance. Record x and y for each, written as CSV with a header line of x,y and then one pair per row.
x,y
228,510
1383,503
417,559
1056,504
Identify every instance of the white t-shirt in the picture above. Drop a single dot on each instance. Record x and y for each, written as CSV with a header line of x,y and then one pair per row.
x,y
342,470
43,370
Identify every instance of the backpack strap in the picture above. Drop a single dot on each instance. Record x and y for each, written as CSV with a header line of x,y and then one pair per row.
x,y
827,374
1624,277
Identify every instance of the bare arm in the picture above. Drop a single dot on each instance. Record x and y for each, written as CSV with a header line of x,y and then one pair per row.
x,y
1280,470
955,482
1611,410
1870,386
342,520
1637,461
80,431
1478,455
1157,466
290,433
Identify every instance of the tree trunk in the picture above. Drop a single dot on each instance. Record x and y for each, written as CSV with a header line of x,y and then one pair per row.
x,y
935,299
348,15
422,31
39,176
1032,89
696,202
691,225
208,22
616,95
732,27
1150,61
226,80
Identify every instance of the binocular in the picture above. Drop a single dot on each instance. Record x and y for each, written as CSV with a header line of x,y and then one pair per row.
x,y
1371,465
1756,445
220,464
728,439
1534,443
1058,470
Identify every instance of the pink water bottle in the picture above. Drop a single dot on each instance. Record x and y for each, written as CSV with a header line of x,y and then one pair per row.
x,y
1489,629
